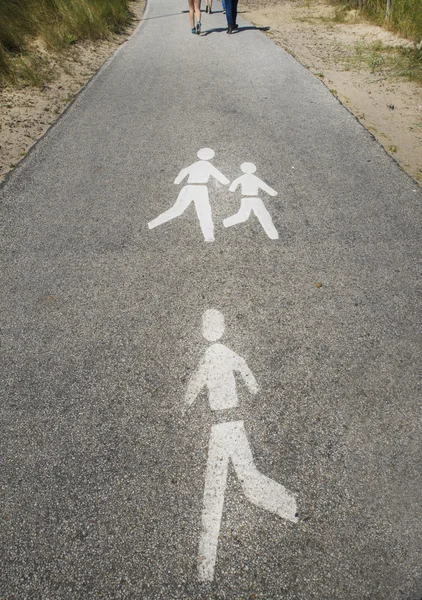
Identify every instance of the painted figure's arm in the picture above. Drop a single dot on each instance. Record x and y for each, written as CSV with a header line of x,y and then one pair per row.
x,y
248,376
182,175
195,385
219,176
266,188
235,184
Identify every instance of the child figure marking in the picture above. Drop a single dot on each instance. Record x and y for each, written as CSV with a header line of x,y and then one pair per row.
x,y
251,184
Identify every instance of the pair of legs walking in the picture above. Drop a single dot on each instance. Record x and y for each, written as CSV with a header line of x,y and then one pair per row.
x,y
229,441
195,13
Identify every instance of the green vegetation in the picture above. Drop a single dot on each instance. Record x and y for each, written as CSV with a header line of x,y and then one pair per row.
x,y
402,16
405,16
392,61
55,24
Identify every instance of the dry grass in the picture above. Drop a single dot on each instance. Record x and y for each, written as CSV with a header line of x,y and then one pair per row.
x,y
405,16
391,61
54,25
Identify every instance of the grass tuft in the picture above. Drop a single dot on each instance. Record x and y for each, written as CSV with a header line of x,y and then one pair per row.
x,y
391,61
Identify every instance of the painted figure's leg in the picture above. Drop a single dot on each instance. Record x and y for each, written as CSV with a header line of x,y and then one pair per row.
x,y
181,204
203,210
259,489
240,217
264,218
215,487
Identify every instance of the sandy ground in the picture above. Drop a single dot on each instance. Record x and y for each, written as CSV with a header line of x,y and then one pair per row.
x,y
27,113
390,108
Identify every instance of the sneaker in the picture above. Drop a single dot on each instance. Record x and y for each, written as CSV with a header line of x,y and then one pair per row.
x,y
193,30
235,26
198,28
210,11
229,29
206,8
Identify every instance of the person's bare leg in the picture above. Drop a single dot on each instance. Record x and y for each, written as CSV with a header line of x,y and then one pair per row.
x,y
197,4
191,13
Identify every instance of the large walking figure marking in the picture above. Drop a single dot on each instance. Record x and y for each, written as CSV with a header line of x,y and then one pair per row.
x,y
228,441
251,184
199,174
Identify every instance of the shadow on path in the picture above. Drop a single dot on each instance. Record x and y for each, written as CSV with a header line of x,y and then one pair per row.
x,y
239,30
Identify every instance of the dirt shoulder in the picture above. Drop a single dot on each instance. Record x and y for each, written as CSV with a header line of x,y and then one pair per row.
x,y
343,56
27,112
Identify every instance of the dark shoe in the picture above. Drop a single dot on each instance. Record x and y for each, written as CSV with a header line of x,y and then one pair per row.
x,y
229,29
198,28
210,11
235,26
206,8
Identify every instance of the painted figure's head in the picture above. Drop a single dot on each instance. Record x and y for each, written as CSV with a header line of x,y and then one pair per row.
x,y
248,167
205,154
212,325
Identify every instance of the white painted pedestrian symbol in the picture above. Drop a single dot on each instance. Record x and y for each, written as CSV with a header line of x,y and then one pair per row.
x,y
251,184
199,174
228,441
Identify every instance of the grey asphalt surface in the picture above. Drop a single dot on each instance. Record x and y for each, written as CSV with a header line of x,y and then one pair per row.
x,y
102,474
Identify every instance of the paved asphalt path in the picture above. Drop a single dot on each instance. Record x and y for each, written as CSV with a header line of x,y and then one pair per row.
x,y
102,471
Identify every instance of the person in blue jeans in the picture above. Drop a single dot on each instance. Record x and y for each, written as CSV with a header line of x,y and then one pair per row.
x,y
231,15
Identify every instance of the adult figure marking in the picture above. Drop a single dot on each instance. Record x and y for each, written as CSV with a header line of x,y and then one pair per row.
x,y
228,441
199,174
